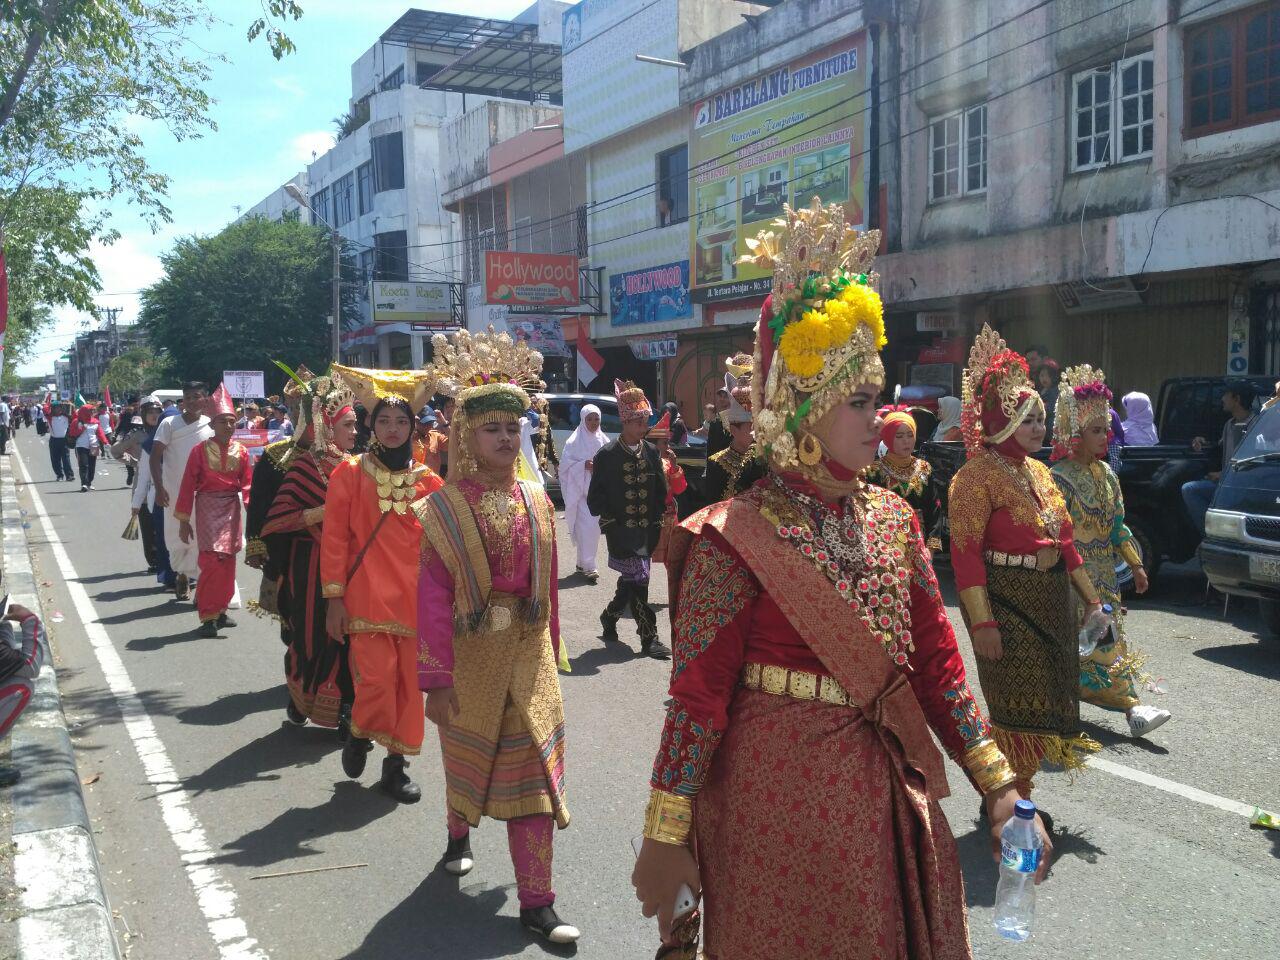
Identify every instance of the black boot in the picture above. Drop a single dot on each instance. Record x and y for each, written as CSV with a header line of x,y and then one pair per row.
x,y
609,628
457,855
647,624
294,715
344,722
545,923
182,587
354,754
209,629
609,619
395,783
225,621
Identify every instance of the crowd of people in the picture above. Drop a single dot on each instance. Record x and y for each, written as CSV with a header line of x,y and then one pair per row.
x,y
409,554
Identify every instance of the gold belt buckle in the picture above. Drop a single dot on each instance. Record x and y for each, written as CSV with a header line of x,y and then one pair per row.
x,y
497,619
831,691
773,679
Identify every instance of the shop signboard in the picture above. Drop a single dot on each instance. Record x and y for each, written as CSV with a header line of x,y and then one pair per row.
x,y
789,134
654,295
937,321
659,348
425,304
244,383
513,278
544,334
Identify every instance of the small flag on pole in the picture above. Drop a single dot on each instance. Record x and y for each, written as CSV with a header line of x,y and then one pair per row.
x,y
590,363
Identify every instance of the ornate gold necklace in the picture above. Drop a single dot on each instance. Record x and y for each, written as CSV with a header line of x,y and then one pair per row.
x,y
397,489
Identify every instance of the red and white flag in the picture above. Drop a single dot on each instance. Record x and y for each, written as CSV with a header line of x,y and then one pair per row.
x,y
590,363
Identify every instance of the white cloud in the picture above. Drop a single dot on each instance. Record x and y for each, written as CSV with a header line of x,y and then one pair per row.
x,y
289,84
304,145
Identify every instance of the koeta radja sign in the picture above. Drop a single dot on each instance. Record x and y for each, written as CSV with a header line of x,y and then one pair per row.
x,y
514,279
395,302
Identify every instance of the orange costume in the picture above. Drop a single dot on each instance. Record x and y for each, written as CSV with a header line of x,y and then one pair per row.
x,y
365,557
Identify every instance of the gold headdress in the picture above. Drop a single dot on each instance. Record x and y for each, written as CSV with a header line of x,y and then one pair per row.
x,y
412,387
997,394
823,319
1083,397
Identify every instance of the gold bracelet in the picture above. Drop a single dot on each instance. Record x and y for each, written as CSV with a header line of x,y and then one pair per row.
x,y
1129,553
976,604
668,818
988,766
1084,586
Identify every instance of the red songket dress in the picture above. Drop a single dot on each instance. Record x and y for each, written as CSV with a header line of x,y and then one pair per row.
x,y
368,515
215,488
816,818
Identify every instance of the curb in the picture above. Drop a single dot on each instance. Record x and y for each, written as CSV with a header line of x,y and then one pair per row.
x,y
64,902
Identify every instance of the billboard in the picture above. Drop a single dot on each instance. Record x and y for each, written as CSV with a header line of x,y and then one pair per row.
x,y
424,303
650,296
514,279
794,132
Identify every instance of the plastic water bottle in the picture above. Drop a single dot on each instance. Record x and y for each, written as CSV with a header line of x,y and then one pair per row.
x,y
1095,628
1020,851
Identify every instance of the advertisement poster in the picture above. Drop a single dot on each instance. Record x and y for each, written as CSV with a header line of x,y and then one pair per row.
x,y
790,134
650,296
544,334
420,303
256,441
513,279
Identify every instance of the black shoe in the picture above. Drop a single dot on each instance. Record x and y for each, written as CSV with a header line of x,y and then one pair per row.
x,y
209,629
655,648
354,754
457,855
152,568
610,626
395,783
294,715
182,587
344,722
545,923
225,621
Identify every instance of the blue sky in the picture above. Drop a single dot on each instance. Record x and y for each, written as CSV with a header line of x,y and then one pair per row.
x,y
270,114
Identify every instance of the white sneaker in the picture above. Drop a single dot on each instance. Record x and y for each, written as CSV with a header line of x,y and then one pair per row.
x,y
1143,719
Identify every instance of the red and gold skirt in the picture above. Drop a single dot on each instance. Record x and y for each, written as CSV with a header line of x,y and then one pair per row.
x,y
815,839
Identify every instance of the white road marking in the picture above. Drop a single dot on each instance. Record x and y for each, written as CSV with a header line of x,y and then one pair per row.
x,y
1171,786
215,896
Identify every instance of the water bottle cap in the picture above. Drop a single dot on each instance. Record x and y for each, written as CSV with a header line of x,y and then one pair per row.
x,y
1024,809
1108,609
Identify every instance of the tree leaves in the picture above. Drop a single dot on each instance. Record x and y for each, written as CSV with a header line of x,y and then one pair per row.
x,y
258,290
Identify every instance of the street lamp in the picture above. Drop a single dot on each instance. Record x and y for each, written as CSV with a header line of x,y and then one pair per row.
x,y
662,61
302,200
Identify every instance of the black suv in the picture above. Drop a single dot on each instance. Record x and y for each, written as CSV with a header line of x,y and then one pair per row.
x,y
1240,553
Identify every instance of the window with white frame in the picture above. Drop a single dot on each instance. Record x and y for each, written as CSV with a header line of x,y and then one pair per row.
x,y
958,153
1113,113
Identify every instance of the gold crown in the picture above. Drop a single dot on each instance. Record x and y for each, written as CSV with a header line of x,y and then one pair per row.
x,y
827,326
464,360
413,387
1075,412
991,356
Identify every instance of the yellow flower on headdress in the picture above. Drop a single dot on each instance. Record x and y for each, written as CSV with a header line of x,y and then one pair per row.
x,y
804,342
866,308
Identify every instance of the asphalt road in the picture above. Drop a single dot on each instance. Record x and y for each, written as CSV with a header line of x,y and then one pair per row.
x,y
1140,872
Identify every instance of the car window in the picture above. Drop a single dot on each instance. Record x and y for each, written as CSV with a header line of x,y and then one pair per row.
x,y
1261,436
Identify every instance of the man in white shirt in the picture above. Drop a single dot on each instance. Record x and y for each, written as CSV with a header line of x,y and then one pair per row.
x,y
175,439
59,452
5,413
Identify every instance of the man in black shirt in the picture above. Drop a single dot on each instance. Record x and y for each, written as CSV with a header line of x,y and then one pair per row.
x,y
628,492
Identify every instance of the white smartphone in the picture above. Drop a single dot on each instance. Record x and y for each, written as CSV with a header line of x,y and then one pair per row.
x,y
685,902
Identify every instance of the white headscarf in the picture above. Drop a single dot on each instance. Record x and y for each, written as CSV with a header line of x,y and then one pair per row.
x,y
948,416
582,444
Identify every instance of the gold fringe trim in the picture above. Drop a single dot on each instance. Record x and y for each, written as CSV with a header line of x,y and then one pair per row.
x,y
386,740
255,608
1026,751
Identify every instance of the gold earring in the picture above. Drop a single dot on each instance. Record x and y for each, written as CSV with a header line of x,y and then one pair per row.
x,y
810,450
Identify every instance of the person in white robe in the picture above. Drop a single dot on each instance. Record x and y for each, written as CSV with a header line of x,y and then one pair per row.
x,y
176,437
575,477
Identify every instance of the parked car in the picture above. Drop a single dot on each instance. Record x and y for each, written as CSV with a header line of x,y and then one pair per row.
x,y
565,410
1241,549
1151,477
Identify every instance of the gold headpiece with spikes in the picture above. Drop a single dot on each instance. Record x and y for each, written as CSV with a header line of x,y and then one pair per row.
x,y
1083,397
995,377
413,387
823,328
489,374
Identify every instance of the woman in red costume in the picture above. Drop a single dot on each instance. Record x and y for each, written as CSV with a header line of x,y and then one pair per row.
x,y
1015,564
812,659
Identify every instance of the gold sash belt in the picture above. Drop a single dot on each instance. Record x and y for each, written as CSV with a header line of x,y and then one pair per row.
x,y
799,684
1042,560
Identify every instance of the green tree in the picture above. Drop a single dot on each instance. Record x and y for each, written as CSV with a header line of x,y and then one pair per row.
x,y
256,292
137,369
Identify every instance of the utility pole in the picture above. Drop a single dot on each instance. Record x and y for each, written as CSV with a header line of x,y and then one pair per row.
x,y
337,295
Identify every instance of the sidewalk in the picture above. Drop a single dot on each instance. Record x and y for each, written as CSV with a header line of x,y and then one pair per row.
x,y
58,897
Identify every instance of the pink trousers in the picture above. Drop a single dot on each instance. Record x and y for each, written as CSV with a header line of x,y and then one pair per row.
x,y
529,840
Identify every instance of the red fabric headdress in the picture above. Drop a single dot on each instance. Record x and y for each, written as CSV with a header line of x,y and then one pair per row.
x,y
662,429
632,403
220,404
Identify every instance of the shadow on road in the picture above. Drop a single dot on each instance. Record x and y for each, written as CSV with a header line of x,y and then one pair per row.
x,y
589,662
980,873
459,921
1259,659
286,747
349,808
1110,738
164,609
235,706
112,596
151,644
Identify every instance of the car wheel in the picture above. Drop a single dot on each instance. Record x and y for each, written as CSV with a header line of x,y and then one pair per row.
x,y
1269,610
1148,546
